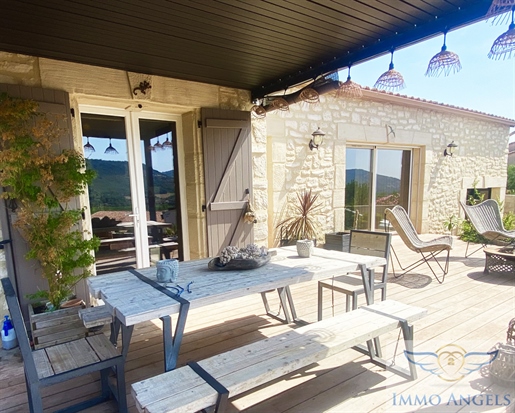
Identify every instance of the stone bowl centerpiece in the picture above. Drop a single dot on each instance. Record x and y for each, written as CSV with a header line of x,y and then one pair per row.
x,y
234,258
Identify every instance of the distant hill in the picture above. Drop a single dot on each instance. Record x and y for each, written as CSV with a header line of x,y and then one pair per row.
x,y
110,190
385,184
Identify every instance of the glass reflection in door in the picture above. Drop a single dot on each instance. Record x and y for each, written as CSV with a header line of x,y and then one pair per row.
x,y
358,184
105,150
158,146
392,182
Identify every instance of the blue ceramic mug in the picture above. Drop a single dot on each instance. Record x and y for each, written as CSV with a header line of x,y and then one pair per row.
x,y
167,270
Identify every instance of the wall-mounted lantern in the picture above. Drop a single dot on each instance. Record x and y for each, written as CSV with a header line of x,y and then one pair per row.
x,y
450,149
317,139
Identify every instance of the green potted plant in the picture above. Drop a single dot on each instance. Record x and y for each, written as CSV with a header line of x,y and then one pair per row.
x,y
41,181
301,224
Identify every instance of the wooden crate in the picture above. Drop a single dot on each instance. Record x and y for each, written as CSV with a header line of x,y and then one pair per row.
x,y
56,327
338,241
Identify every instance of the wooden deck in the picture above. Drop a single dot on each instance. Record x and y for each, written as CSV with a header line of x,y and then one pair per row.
x,y
470,309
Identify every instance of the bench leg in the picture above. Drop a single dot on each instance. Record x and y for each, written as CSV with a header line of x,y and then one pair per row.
x,y
373,350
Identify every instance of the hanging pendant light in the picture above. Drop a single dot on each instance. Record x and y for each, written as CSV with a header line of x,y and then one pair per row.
x,y
500,6
443,62
390,80
258,111
167,144
309,95
110,150
89,148
280,104
504,45
158,145
349,88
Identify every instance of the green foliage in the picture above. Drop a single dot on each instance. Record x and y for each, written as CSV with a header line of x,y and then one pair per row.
x,y
469,233
451,223
510,184
301,222
43,180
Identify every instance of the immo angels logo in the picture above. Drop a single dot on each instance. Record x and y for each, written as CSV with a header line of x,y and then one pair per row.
x,y
451,362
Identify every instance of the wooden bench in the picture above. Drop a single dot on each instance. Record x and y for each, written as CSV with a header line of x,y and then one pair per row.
x,y
190,389
95,316
61,362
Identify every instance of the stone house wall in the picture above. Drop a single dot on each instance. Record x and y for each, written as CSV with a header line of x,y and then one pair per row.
x,y
114,88
439,182
282,161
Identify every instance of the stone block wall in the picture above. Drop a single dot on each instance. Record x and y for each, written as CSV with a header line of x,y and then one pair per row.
x,y
388,121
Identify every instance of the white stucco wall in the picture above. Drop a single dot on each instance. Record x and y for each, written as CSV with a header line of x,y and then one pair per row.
x,y
439,182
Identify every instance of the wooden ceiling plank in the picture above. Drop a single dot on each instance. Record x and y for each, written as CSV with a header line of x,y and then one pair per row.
x,y
336,18
98,55
186,28
363,12
272,21
116,34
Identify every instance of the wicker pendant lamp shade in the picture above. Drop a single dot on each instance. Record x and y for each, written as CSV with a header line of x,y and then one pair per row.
x,y
500,6
391,80
280,104
349,88
309,95
443,62
89,148
258,111
167,144
111,150
504,45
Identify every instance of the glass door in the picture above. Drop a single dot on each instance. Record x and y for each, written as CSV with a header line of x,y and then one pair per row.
x,y
376,179
134,199
392,182
158,144
110,197
358,188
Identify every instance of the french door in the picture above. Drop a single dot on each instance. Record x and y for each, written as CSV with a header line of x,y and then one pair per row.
x,y
376,178
135,198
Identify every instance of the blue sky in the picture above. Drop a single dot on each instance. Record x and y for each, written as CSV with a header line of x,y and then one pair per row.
x,y
482,84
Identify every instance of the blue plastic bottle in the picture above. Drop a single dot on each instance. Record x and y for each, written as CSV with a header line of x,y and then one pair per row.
x,y
9,340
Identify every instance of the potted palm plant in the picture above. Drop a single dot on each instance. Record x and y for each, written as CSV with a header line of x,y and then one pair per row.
x,y
42,181
301,224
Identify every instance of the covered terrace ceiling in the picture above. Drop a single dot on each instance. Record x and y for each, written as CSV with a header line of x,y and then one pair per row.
x,y
264,46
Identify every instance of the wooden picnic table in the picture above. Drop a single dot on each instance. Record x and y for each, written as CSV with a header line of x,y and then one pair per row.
x,y
134,296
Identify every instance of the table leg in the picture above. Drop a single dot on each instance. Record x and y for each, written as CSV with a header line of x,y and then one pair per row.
x,y
172,342
116,326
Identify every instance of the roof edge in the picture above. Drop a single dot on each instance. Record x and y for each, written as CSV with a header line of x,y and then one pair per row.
x,y
375,94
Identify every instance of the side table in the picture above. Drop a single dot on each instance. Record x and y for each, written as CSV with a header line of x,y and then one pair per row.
x,y
497,260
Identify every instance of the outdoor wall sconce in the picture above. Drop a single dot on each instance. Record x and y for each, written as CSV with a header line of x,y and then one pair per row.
x,y
317,139
450,149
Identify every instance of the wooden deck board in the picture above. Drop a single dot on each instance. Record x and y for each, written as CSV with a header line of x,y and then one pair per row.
x,y
470,309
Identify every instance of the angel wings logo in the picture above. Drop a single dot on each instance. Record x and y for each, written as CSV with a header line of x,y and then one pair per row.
x,y
451,362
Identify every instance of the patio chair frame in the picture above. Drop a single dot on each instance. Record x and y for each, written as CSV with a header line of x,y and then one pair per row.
x,y
486,219
360,243
39,374
429,250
